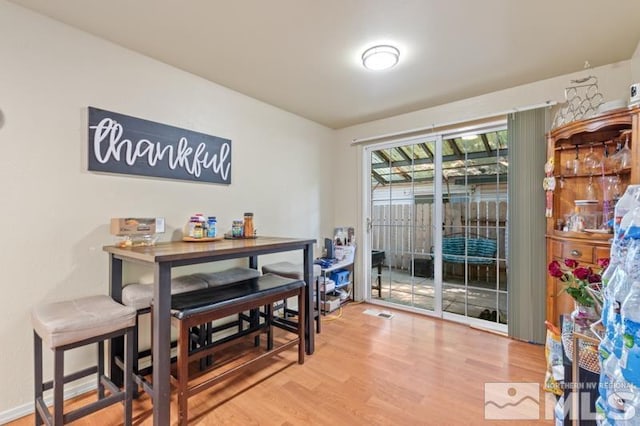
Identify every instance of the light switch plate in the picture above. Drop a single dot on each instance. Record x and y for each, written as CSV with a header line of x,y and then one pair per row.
x,y
159,225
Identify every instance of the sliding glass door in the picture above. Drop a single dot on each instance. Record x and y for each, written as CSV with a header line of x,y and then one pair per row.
x,y
403,230
475,205
437,213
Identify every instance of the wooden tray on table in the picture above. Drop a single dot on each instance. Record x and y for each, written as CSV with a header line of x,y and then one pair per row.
x,y
201,240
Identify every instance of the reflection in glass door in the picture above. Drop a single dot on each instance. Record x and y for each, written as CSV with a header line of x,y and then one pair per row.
x,y
474,208
437,215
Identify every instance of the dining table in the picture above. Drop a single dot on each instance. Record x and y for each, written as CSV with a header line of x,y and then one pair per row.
x,y
165,256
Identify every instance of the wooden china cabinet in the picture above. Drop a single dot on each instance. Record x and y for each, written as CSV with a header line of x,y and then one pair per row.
x,y
569,146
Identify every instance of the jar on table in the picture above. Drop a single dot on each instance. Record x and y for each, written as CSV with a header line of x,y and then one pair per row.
x,y
191,226
248,225
236,229
198,230
212,230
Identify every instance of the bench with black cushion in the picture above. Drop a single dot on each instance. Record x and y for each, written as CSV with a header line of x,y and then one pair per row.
x,y
140,296
207,305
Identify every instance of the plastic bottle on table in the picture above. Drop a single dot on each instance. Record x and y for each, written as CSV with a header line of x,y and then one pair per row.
x,y
625,204
212,229
608,292
632,237
621,241
607,274
630,358
601,412
622,406
609,307
614,323
608,366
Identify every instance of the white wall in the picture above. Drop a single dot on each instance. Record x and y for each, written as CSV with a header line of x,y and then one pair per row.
x,y
55,214
613,83
635,66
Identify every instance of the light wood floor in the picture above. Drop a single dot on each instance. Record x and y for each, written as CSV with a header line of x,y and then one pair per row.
x,y
367,370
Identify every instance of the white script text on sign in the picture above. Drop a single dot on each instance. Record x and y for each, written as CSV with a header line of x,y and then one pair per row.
x,y
127,145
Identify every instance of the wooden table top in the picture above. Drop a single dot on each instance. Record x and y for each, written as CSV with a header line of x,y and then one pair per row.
x,y
181,250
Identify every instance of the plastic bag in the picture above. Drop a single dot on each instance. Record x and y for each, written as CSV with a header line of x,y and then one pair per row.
x,y
553,354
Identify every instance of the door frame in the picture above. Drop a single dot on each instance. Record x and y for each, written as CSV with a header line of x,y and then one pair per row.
x,y
438,137
437,230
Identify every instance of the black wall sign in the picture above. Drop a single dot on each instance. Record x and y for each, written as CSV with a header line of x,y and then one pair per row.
x,y
128,145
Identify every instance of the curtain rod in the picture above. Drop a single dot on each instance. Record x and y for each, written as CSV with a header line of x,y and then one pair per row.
x,y
434,127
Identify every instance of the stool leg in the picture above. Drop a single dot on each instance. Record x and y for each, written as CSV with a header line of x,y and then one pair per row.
x,y
301,328
268,310
37,372
100,369
129,357
151,352
240,323
183,372
134,344
58,387
209,341
317,305
202,342
255,322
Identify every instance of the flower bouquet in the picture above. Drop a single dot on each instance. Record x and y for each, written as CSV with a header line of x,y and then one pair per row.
x,y
582,283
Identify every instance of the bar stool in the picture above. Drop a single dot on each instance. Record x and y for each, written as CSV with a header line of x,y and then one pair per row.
x,y
71,324
295,271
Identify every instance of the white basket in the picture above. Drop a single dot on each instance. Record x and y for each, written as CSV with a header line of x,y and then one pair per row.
x,y
588,358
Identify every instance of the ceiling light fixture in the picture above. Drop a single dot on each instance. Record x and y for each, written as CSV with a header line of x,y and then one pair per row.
x,y
380,57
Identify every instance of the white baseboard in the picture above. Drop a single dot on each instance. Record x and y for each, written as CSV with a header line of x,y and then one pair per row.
x,y
26,409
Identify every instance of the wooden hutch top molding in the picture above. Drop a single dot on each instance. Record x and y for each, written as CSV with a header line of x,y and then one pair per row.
x,y
618,117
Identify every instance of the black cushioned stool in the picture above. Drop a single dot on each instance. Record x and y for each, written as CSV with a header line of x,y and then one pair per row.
x,y
71,324
295,271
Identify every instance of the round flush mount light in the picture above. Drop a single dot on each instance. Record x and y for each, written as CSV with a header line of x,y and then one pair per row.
x,y
380,57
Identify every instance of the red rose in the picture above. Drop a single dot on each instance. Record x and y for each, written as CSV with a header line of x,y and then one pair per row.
x,y
595,278
582,273
571,263
555,270
603,263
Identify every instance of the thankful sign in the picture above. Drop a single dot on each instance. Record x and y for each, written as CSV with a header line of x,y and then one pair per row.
x,y
122,144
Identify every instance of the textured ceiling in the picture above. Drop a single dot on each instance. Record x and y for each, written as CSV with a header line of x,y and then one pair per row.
x,y
303,55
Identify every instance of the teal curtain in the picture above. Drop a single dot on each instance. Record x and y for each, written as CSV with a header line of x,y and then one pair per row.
x,y
526,228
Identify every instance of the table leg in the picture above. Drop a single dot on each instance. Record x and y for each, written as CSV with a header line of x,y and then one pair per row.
x,y
116,346
161,344
308,311
255,313
253,262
